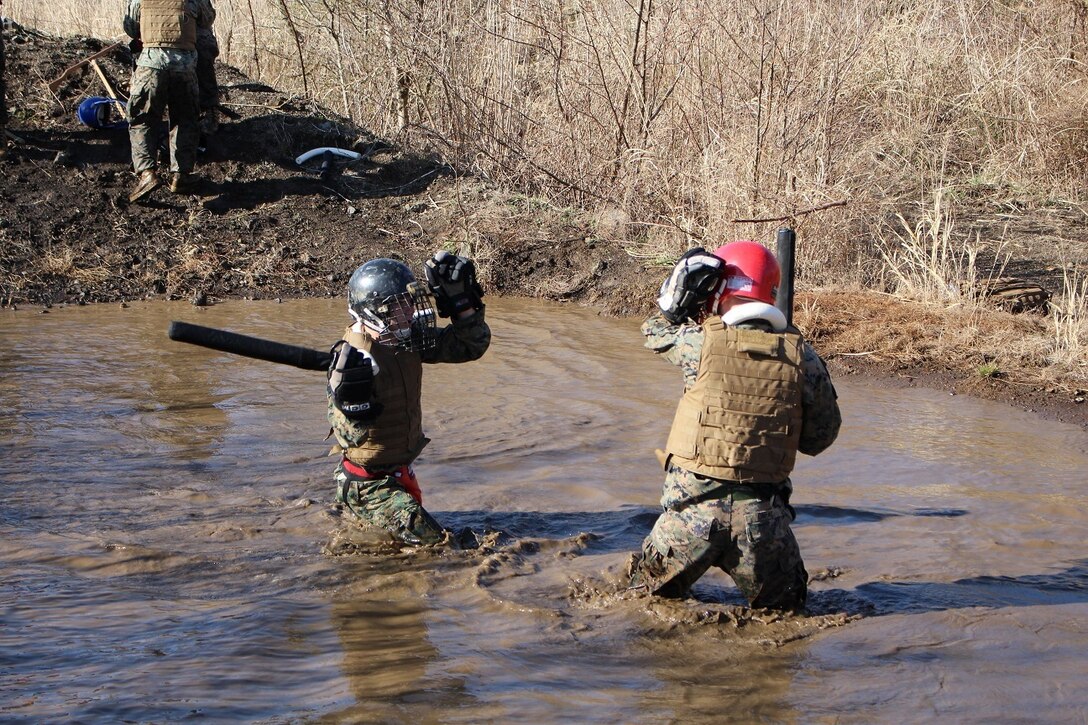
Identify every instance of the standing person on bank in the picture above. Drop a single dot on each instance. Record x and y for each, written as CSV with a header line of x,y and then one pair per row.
x,y
376,381
3,92
207,50
755,393
164,34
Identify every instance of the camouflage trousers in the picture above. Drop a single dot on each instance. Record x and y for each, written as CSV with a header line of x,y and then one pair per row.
x,y
3,89
208,84
743,530
154,92
384,503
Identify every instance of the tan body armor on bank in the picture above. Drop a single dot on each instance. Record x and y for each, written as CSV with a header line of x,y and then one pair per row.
x,y
741,419
396,436
165,24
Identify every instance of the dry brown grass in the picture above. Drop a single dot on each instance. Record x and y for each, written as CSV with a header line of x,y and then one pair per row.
x,y
65,263
927,263
1070,324
968,340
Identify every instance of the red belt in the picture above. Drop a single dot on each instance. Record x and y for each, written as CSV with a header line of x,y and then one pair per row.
x,y
404,475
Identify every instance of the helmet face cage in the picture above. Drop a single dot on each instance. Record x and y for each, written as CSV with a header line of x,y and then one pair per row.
x,y
384,295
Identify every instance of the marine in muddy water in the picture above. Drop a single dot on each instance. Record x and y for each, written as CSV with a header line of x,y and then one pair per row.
x,y
755,394
376,378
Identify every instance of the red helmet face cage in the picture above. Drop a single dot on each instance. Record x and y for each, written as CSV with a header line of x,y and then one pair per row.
x,y
751,271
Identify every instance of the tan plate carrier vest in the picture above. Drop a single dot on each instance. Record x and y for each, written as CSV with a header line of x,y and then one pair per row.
x,y
165,24
741,419
396,436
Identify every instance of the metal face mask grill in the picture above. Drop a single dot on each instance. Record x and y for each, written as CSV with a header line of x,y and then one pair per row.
x,y
406,321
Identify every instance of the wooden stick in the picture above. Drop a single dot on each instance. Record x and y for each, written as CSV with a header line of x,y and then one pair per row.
x,y
105,81
123,103
54,84
832,205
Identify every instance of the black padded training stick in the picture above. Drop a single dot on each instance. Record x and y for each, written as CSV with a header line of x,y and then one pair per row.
x,y
787,242
254,347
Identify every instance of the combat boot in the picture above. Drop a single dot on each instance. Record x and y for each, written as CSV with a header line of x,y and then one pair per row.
x,y
209,124
147,183
180,182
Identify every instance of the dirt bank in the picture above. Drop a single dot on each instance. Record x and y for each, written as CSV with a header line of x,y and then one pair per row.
x,y
257,225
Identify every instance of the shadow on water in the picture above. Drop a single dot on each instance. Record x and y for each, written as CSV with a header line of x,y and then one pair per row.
x,y
624,529
838,514
613,530
1069,586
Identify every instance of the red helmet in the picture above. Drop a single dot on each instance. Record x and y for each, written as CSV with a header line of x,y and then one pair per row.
x,y
751,271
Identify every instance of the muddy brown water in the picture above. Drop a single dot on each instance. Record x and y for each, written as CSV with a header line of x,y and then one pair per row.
x,y
169,552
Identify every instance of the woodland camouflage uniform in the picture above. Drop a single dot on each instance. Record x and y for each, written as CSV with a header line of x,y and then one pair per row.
x,y
742,529
383,500
165,78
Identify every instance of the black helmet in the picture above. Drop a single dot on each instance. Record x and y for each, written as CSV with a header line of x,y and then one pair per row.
x,y
376,283
383,294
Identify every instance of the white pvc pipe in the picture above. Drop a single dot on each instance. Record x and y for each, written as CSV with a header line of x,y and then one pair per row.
x,y
353,155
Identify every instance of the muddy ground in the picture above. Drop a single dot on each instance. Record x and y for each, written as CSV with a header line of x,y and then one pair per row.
x,y
256,225
259,226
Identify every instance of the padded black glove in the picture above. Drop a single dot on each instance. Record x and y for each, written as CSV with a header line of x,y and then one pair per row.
x,y
690,285
351,383
452,279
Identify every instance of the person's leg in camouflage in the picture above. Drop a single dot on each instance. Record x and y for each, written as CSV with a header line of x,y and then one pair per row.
x,y
146,105
764,559
3,102
184,103
713,523
679,550
207,51
687,539
384,503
